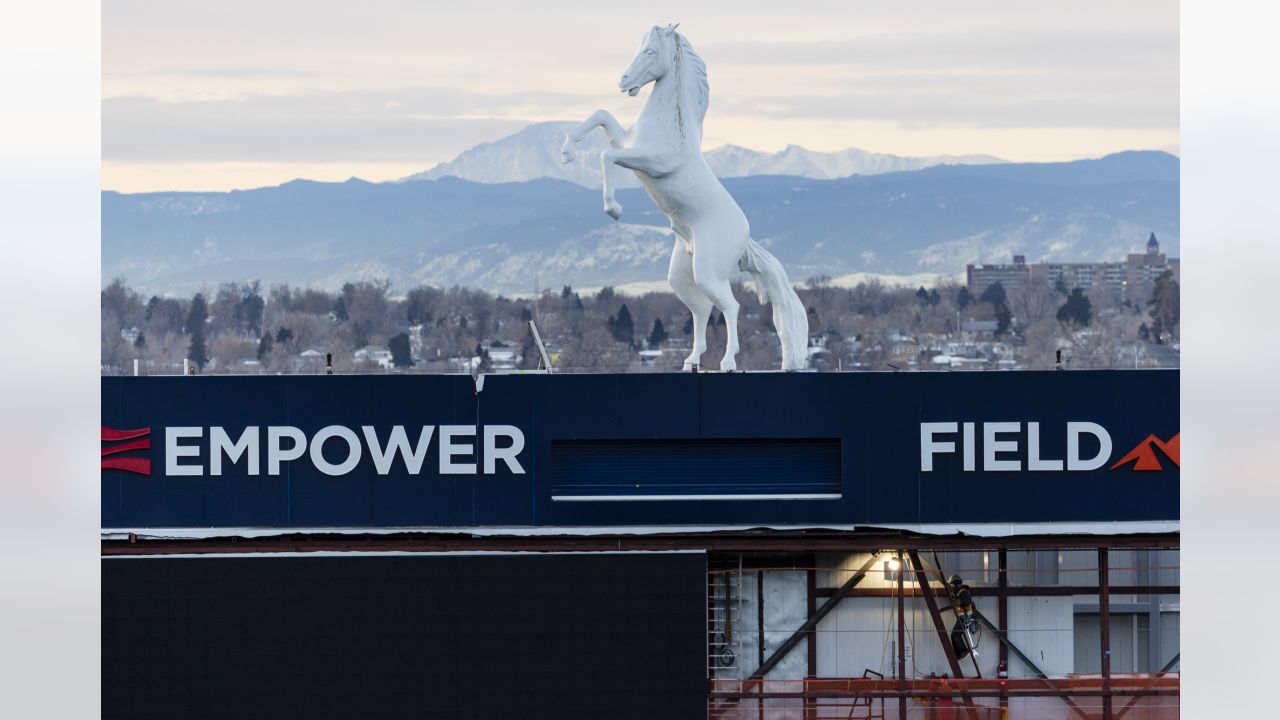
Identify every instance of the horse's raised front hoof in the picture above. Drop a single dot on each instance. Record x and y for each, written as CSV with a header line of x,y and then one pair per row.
x,y
612,209
567,153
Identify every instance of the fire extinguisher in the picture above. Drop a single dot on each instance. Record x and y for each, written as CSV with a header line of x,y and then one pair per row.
x,y
1002,672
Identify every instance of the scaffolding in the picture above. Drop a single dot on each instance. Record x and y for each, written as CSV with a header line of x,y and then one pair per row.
x,y
919,674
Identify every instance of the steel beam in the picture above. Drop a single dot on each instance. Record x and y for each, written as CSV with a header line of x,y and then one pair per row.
x,y
1022,591
1163,671
813,621
923,581
902,641
716,541
1002,605
1004,640
1104,620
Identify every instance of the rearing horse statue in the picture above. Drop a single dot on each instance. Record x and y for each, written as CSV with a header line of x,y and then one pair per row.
x,y
713,238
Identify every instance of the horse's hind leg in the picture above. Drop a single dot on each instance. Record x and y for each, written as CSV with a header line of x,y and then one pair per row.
x,y
721,294
680,276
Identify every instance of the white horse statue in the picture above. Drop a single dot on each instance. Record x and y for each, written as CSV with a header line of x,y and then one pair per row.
x,y
664,148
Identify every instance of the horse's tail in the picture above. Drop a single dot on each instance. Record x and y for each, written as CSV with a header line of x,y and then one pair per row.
x,y
789,317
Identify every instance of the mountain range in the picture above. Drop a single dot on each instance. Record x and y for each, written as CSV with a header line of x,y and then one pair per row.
x,y
534,153
510,235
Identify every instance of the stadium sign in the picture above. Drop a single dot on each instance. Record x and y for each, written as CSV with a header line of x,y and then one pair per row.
x,y
639,449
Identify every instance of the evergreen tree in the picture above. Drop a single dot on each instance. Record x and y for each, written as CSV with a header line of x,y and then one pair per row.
x,y
340,309
251,308
1164,305
964,298
995,291
197,315
1076,310
284,335
621,326
140,342
1144,333
525,315
658,335
606,294
196,318
196,351
934,297
1004,318
401,351
265,345
922,295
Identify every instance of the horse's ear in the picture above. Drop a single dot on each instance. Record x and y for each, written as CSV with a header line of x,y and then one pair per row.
x,y
670,29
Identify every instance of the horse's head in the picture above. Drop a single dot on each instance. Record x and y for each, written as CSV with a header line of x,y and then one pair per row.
x,y
655,58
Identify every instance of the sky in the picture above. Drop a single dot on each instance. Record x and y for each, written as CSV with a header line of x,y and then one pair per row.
x,y
238,94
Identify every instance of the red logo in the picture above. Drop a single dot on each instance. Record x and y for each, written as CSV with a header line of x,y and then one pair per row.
x,y
138,440
1145,454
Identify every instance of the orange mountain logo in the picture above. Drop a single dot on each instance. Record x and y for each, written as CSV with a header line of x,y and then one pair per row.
x,y
1144,456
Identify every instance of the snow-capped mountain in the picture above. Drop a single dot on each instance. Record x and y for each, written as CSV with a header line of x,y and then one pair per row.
x,y
503,237
734,161
534,153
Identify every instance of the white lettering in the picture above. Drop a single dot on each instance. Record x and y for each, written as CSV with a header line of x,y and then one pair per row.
x,y
968,446
277,454
449,449
991,446
353,450
1034,462
398,443
173,451
929,446
220,444
1074,461
493,453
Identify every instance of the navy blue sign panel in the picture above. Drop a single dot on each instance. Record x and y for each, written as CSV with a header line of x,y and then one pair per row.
x,y
639,449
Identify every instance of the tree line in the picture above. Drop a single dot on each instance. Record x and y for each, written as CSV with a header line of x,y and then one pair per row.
x,y
242,327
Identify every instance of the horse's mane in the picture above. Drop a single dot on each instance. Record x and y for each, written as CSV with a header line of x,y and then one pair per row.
x,y
698,69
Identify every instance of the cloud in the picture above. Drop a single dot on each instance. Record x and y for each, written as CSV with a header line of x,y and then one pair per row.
x,y
994,79
1081,51
961,107
423,122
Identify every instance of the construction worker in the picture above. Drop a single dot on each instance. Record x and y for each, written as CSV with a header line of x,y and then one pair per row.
x,y
962,600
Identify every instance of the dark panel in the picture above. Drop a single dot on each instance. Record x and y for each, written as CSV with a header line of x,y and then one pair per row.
x,y
587,636
876,418
712,466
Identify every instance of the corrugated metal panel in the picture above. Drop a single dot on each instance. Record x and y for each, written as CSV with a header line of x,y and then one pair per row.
x,y
1042,628
696,467
785,610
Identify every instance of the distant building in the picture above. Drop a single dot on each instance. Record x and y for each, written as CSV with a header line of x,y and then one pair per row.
x,y
1136,269
980,277
375,355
